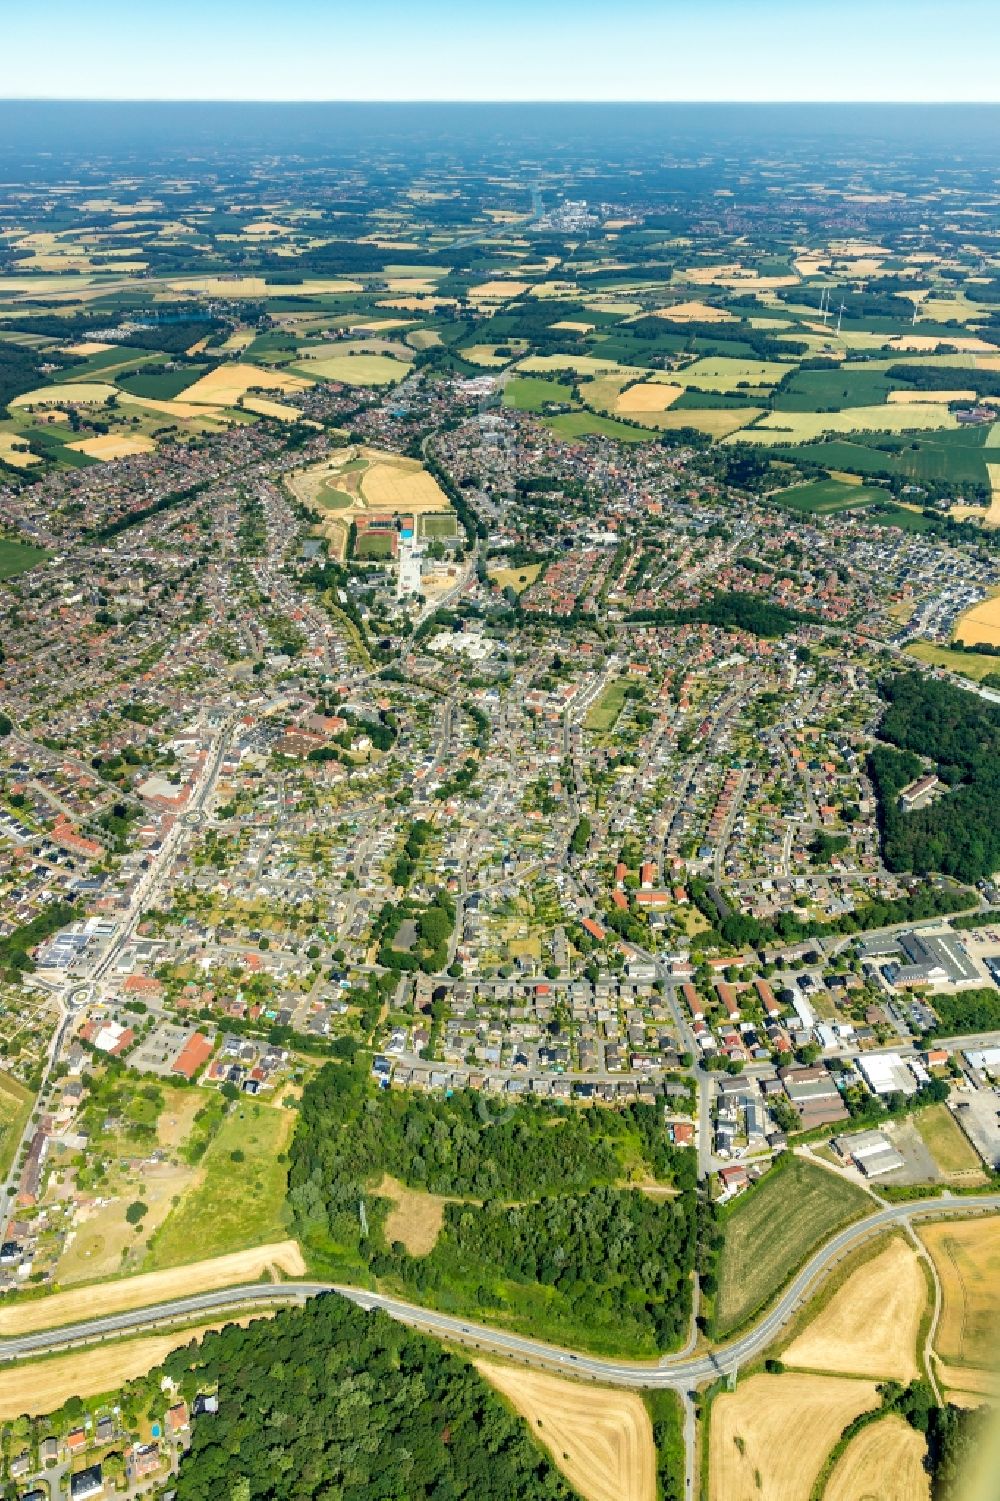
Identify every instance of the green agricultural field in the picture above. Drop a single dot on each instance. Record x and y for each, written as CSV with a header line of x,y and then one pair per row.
x,y
161,385
723,373
825,496
527,393
239,1200
842,386
18,557
589,424
966,664
15,1107
772,1229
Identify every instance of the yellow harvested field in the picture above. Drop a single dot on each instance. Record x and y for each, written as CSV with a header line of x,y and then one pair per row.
x,y
88,347
78,393
981,625
966,1254
180,410
227,383
497,291
381,326
884,1462
240,340
15,452
152,1287
769,1438
418,286
736,276
572,327
717,422
915,398
870,1325
920,343
256,286
969,1382
399,484
486,355
415,1218
42,1385
423,338
108,446
278,409
695,312
417,304
601,1440
648,396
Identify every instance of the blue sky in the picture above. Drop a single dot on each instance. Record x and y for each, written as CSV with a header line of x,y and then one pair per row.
x,y
515,49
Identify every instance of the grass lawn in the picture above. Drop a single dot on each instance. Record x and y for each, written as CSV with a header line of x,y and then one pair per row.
x,y
604,712
772,1229
238,1201
18,557
15,1107
438,526
374,545
943,1138
589,425
529,393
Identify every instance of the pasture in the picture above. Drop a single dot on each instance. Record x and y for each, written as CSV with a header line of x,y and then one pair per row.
x,y
238,1198
601,1439
748,1280
771,1436
530,394
18,557
884,1462
966,1254
869,1326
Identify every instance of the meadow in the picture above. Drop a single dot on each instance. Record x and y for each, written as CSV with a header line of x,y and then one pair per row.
x,y
18,557
749,1279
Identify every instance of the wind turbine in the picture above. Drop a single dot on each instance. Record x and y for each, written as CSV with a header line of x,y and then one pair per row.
x,y
840,317
824,306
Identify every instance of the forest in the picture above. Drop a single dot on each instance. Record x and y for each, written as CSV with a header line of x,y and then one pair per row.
x,y
959,732
328,1400
538,1228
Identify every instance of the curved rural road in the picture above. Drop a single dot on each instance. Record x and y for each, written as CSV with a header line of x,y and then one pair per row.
x,y
680,1372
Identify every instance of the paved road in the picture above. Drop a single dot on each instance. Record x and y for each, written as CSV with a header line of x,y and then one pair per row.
x,y
680,1372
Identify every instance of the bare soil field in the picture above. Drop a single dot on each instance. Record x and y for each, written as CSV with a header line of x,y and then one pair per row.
x,y
45,1384
415,1218
869,1327
966,1254
601,1440
769,1438
152,1287
884,1462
